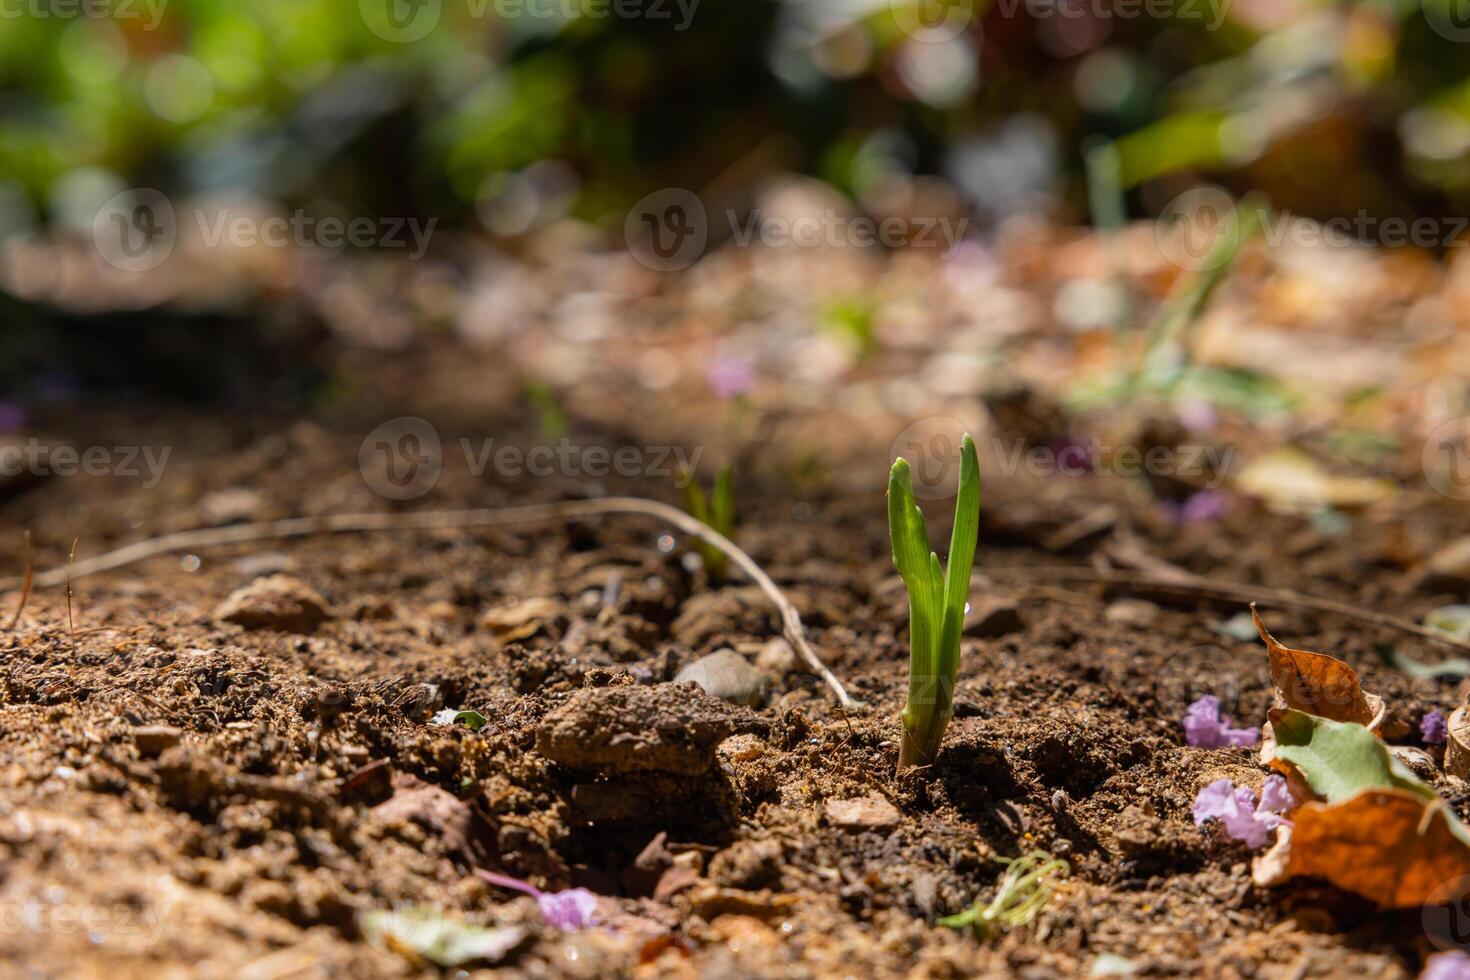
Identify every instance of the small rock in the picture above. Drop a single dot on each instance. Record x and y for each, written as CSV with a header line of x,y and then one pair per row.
x,y
279,602
1449,567
870,812
673,881
154,740
728,676
741,748
464,832
993,616
374,609
749,864
925,890
632,728
778,660
642,876
711,901
1132,612
233,505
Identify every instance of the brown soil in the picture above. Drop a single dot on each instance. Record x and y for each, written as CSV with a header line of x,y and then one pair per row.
x,y
185,796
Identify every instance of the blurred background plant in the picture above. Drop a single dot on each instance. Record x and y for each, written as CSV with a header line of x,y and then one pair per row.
x,y
512,114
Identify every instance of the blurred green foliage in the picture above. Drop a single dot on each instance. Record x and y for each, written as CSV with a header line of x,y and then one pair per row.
x,y
304,100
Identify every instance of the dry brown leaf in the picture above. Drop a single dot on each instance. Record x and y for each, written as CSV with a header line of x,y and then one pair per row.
x,y
524,619
1319,684
1389,846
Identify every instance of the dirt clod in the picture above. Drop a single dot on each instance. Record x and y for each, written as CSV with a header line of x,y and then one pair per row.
x,y
871,812
153,740
668,727
279,602
993,616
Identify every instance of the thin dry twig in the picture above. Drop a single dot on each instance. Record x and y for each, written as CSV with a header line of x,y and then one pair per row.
x,y
71,626
297,527
25,590
1197,585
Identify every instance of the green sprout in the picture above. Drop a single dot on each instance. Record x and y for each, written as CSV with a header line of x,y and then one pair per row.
x,y
1023,892
551,418
718,511
937,602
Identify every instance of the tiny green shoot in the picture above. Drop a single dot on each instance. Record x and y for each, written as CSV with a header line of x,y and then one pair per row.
x,y
937,600
468,717
718,511
1023,892
551,418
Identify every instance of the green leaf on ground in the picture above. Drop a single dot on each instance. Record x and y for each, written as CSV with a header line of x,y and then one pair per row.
x,y
471,719
1451,620
426,933
1453,669
1339,759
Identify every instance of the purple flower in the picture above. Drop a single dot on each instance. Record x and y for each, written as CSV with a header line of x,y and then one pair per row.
x,y
1206,728
1237,812
1276,795
730,376
571,909
1200,508
1454,965
1433,728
